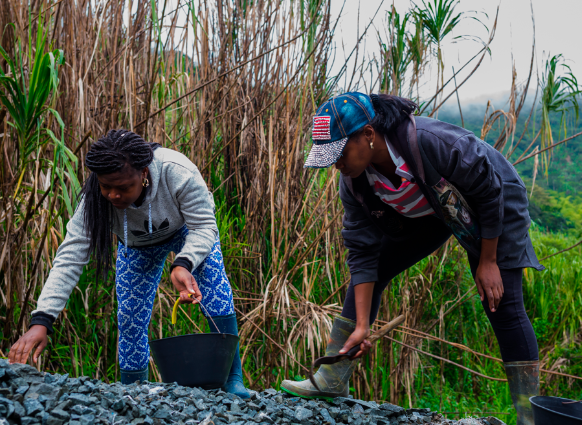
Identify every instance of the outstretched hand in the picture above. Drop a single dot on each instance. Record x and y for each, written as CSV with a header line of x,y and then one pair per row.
x,y
36,337
186,285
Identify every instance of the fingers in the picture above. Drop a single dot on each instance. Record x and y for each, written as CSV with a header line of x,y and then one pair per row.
x,y
347,346
30,344
185,298
498,296
196,294
350,343
364,349
490,285
189,285
480,289
192,294
12,353
39,349
21,350
494,295
355,340
491,299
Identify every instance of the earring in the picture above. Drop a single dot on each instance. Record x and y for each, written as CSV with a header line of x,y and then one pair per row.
x,y
145,182
372,144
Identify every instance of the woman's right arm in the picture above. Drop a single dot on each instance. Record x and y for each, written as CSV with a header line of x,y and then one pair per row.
x,y
364,242
68,264
362,239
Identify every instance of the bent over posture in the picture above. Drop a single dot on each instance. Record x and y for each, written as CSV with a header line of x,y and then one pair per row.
x,y
407,184
155,201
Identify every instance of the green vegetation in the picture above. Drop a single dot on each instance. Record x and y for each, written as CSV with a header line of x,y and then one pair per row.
x,y
234,89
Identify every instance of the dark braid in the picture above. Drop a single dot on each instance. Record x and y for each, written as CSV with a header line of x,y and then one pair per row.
x,y
390,111
108,155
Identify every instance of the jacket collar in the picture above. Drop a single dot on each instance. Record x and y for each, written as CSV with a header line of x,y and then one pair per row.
x,y
405,140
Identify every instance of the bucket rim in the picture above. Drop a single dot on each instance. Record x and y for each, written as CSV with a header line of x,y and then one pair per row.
x,y
196,334
532,401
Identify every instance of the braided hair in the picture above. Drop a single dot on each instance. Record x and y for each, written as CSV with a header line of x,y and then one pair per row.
x,y
110,154
390,111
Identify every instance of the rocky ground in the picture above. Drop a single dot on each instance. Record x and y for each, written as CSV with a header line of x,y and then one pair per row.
x,y
30,397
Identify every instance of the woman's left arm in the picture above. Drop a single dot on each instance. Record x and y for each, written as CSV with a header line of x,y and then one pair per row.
x,y
463,160
197,208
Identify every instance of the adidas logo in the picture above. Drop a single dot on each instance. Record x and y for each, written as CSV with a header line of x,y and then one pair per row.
x,y
163,228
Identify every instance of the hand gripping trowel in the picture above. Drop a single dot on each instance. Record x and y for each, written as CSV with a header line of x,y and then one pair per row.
x,y
329,360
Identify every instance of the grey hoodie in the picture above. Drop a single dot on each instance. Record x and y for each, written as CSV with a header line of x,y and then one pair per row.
x,y
177,195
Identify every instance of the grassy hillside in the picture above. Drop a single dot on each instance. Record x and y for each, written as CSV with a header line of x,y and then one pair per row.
x,y
556,201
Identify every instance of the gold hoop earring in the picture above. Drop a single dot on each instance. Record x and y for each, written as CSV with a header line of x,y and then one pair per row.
x,y
145,182
372,145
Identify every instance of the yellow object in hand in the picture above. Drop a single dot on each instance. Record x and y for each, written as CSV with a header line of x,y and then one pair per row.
x,y
175,310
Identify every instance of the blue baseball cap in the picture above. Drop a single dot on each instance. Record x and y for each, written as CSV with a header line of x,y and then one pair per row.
x,y
335,121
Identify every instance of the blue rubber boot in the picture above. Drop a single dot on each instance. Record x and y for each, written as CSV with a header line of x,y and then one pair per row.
x,y
130,376
234,383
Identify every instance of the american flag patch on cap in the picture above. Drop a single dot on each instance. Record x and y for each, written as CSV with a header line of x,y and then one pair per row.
x,y
321,129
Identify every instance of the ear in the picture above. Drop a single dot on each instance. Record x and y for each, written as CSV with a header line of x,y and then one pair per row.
x,y
144,173
369,133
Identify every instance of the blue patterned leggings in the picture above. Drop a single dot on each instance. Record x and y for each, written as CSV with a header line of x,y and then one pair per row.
x,y
137,279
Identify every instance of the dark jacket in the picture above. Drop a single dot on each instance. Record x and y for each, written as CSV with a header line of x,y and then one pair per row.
x,y
435,149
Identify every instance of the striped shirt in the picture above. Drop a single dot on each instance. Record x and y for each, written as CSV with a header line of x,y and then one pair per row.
x,y
407,199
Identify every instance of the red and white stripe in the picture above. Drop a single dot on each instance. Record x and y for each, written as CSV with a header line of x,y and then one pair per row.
x,y
321,130
407,199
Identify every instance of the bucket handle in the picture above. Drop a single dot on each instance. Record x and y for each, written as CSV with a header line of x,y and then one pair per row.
x,y
175,312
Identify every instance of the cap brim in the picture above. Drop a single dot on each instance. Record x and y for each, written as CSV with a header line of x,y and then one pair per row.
x,y
325,155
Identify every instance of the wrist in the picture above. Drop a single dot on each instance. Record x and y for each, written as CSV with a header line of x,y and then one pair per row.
x,y
42,319
487,260
177,268
363,325
181,262
488,251
39,328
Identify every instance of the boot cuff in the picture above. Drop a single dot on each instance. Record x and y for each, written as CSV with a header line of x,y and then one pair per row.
x,y
345,321
522,363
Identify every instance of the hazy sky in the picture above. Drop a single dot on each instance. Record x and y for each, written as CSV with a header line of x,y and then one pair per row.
x,y
557,28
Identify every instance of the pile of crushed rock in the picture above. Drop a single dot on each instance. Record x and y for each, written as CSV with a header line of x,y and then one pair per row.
x,y
30,397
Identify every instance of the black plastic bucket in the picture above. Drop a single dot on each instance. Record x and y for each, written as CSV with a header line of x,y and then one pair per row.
x,y
195,360
551,410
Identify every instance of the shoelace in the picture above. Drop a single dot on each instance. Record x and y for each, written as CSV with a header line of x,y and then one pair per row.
x,y
125,232
150,219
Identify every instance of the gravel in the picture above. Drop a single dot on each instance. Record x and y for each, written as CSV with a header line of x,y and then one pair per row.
x,y
29,397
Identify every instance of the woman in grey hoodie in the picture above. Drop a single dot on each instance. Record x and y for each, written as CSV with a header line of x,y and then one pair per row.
x,y
156,202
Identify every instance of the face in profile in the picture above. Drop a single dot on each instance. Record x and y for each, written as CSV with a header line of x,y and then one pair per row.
x,y
357,154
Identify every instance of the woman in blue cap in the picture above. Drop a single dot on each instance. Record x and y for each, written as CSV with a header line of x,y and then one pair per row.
x,y
407,184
